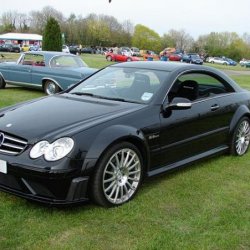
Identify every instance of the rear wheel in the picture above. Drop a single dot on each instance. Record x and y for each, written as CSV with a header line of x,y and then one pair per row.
x,y
2,83
118,175
241,137
109,58
51,88
129,59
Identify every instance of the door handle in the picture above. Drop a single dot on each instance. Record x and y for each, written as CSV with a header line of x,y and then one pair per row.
x,y
215,107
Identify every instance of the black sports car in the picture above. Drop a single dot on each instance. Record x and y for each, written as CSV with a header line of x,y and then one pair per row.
x,y
100,138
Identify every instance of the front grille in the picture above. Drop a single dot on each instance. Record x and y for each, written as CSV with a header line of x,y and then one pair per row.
x,y
11,144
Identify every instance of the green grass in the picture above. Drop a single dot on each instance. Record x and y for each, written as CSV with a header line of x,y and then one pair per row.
x,y
204,206
242,80
220,66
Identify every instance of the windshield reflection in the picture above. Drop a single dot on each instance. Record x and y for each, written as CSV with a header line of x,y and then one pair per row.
x,y
122,84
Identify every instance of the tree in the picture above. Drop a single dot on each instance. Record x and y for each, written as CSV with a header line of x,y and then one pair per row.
x,y
52,38
146,38
178,39
8,21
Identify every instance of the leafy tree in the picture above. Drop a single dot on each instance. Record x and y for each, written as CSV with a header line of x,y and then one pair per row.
x,y
145,38
52,38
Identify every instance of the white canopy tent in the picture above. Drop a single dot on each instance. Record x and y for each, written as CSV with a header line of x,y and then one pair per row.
x,y
21,37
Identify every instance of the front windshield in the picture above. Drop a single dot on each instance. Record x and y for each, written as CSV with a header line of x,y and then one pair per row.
x,y
67,61
122,84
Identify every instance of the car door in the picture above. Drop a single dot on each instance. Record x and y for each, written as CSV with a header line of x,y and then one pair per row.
x,y
120,57
202,129
19,73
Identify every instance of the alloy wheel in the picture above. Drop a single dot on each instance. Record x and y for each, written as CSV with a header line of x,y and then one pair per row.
x,y
242,137
121,176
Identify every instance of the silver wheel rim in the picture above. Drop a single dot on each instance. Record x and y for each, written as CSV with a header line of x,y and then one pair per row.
x,y
242,138
51,88
121,176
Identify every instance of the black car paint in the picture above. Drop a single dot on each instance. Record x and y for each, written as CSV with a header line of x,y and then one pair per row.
x,y
96,124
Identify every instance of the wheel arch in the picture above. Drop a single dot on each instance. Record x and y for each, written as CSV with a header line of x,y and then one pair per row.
x,y
115,135
242,111
111,57
45,79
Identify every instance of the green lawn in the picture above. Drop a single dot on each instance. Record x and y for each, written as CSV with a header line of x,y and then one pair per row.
x,y
204,206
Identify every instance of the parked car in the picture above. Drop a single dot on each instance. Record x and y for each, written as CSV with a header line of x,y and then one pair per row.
x,y
65,49
74,49
231,62
35,48
126,51
87,50
192,58
149,55
135,51
218,60
50,71
245,63
120,57
8,47
175,57
99,139
25,48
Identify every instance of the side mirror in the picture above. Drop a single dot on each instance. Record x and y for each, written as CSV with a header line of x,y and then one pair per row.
x,y
179,103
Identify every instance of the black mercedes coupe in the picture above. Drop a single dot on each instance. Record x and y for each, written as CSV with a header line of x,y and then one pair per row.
x,y
99,139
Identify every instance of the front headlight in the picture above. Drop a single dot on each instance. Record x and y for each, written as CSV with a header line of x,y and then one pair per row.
x,y
52,152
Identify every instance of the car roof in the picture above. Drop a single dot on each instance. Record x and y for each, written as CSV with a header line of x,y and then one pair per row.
x,y
51,53
159,65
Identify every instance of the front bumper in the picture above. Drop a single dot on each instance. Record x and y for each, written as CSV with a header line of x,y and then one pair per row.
x,y
56,188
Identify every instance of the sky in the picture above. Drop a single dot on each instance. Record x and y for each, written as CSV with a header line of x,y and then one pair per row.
x,y
196,17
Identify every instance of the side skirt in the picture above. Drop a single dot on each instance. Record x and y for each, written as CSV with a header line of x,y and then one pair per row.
x,y
189,160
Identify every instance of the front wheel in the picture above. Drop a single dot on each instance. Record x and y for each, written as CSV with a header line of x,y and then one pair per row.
x,y
2,83
118,175
50,88
241,137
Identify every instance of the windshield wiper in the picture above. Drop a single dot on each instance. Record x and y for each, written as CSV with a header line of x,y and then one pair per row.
x,y
82,93
104,97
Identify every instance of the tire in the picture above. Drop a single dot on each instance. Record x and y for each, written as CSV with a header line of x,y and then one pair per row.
x,y
51,88
2,83
241,137
129,59
118,175
109,58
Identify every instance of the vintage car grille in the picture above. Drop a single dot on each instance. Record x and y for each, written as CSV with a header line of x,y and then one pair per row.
x,y
10,144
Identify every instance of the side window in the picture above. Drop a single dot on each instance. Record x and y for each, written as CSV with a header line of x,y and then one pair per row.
x,y
33,59
194,86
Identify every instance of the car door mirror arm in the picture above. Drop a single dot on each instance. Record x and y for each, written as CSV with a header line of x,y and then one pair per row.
x,y
178,103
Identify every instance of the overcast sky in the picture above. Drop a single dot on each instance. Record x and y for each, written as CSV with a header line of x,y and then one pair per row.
x,y
196,17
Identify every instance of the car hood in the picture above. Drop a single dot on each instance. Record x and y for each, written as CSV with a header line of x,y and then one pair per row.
x,y
84,70
60,115
8,63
